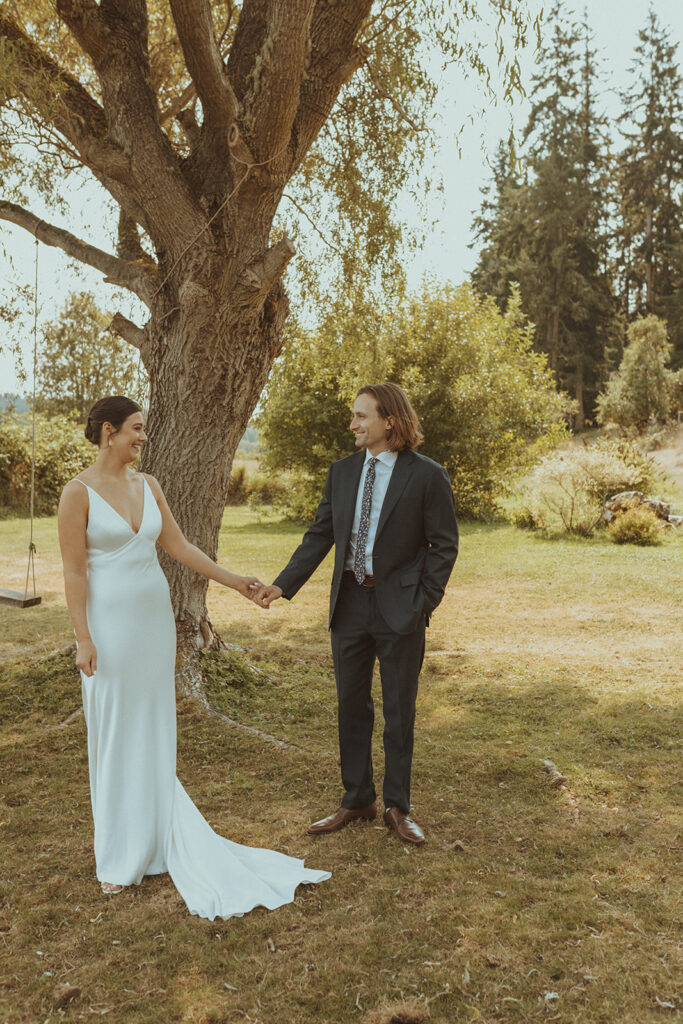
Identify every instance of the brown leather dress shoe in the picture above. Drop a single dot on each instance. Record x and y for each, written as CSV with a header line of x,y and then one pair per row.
x,y
407,829
337,821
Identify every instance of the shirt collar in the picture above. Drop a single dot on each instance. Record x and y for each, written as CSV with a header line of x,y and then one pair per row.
x,y
385,457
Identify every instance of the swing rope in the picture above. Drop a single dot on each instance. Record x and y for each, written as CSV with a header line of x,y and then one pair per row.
x,y
31,567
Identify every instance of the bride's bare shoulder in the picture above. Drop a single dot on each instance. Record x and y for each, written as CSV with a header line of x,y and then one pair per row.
x,y
74,495
87,476
154,485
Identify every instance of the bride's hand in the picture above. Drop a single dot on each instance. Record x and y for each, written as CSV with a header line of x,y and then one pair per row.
x,y
247,586
86,657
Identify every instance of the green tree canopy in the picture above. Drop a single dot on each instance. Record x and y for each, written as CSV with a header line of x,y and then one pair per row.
x,y
644,390
81,360
486,400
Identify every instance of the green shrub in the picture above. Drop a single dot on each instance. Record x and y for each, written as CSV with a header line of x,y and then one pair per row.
x,y
611,466
254,489
486,400
638,525
568,489
267,489
300,499
61,452
238,491
525,518
644,391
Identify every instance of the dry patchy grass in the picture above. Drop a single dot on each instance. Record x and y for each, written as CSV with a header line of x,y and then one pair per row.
x,y
529,902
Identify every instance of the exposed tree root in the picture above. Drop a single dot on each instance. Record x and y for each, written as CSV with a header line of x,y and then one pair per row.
x,y
411,1011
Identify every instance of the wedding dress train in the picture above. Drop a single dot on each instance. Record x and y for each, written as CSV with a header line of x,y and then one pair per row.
x,y
145,823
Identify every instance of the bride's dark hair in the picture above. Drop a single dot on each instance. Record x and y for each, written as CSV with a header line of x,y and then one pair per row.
x,y
115,410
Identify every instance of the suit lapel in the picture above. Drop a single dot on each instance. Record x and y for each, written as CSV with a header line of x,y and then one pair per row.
x,y
351,491
399,478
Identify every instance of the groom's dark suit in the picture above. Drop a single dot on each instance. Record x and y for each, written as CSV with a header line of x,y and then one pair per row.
x,y
414,550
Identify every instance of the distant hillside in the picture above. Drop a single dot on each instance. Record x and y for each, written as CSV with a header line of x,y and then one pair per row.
x,y
9,401
250,441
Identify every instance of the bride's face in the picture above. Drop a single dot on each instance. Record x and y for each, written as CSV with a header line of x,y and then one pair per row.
x,y
128,440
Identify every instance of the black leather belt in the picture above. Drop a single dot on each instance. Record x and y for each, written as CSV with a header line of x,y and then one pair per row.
x,y
369,581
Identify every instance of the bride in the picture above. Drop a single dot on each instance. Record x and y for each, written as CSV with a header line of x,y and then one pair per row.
x,y
110,519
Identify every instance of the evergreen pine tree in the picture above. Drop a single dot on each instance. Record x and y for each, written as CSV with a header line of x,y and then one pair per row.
x,y
650,185
499,227
548,233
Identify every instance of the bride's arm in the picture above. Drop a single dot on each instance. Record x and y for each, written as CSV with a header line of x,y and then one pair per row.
x,y
72,522
177,546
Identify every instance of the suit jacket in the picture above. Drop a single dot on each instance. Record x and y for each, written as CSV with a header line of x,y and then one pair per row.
x,y
415,546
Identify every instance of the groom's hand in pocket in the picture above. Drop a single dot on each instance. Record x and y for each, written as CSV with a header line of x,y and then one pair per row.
x,y
265,596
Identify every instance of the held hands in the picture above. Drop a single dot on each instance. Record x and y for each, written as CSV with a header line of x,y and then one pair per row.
x,y
264,596
251,588
86,657
247,586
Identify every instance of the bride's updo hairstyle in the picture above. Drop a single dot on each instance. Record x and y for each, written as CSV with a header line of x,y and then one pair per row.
x,y
115,410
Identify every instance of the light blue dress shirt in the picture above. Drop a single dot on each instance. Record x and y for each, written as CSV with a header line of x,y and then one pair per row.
x,y
383,470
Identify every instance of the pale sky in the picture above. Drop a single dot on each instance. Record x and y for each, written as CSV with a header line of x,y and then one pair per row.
x,y
445,254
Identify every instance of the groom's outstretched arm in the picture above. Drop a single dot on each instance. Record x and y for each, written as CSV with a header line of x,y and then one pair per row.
x,y
315,544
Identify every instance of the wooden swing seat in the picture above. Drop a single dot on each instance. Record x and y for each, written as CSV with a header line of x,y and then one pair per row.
x,y
17,599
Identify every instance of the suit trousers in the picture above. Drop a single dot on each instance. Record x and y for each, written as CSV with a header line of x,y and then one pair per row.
x,y
359,636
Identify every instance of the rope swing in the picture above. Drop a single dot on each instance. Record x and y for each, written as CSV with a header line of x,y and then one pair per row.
x,y
15,597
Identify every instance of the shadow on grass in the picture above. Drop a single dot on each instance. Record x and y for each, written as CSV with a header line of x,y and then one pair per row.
x,y
523,887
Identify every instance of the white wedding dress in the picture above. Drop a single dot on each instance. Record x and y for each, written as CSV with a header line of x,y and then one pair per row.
x,y
145,823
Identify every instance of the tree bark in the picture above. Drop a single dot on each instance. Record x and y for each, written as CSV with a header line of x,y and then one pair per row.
x,y
649,261
552,339
209,355
580,417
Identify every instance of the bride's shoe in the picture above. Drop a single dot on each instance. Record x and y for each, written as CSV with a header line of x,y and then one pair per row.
x,y
111,888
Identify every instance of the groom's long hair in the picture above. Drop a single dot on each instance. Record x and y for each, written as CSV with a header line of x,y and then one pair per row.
x,y
393,402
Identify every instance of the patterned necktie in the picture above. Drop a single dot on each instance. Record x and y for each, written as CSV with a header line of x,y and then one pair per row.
x,y
362,538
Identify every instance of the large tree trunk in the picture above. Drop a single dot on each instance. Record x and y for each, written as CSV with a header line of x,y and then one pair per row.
x,y
580,417
649,261
210,361
552,339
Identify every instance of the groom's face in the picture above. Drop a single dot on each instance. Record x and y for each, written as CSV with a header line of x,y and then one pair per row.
x,y
369,428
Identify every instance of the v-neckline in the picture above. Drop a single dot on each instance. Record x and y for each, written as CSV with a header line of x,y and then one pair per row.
x,y
109,505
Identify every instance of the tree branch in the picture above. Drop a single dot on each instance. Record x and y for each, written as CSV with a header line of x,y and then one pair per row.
x,y
72,111
85,20
119,272
266,65
188,122
178,104
285,195
157,184
128,245
398,107
194,25
129,331
334,58
259,277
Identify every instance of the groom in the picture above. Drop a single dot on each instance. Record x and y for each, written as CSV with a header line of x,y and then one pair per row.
x,y
389,512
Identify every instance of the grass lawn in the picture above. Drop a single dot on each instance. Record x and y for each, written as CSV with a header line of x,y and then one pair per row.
x,y
529,902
